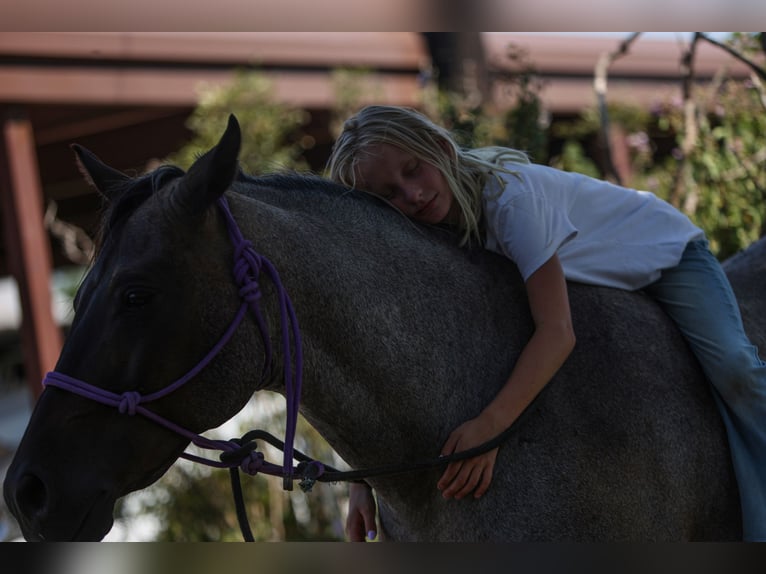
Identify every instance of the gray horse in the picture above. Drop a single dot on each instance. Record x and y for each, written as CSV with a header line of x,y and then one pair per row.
x,y
405,336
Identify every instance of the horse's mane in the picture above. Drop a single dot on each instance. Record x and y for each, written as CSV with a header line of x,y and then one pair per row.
x,y
287,180
315,184
125,200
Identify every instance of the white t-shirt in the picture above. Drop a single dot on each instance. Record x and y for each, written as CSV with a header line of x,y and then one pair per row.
x,y
604,234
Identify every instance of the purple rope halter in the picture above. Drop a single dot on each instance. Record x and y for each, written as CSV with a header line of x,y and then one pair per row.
x,y
247,268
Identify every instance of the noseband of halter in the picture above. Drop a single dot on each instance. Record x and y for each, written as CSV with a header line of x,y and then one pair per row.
x,y
248,266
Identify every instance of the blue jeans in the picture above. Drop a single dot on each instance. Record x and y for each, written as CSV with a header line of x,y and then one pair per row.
x,y
698,297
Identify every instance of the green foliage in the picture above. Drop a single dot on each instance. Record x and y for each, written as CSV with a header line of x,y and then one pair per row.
x,y
747,43
526,121
271,137
720,183
725,172
521,125
632,120
573,158
351,87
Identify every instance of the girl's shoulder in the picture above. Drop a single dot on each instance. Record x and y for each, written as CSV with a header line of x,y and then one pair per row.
x,y
517,179
533,172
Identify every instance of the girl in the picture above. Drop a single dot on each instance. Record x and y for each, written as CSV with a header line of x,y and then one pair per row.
x,y
554,226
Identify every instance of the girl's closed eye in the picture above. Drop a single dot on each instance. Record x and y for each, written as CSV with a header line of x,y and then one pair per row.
x,y
412,167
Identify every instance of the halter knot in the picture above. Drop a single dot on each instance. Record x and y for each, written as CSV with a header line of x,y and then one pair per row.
x,y
247,268
129,401
250,293
252,463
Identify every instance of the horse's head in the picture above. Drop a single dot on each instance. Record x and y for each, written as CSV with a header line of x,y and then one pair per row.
x,y
159,292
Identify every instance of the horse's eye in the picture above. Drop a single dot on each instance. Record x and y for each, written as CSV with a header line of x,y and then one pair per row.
x,y
136,298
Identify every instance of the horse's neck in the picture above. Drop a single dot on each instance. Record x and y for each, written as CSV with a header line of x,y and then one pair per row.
x,y
383,312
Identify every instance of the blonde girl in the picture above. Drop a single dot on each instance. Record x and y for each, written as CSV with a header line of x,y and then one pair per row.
x,y
558,226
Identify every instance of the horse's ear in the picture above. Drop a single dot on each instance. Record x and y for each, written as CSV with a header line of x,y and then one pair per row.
x,y
105,179
212,174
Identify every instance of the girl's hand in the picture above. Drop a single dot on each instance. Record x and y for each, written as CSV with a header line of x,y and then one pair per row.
x,y
360,522
473,474
546,351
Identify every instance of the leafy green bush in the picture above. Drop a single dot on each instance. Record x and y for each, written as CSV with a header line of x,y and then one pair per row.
x,y
271,136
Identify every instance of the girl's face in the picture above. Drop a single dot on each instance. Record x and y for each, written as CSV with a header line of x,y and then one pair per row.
x,y
414,186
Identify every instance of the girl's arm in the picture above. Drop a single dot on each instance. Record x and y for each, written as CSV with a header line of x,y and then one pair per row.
x,y
550,345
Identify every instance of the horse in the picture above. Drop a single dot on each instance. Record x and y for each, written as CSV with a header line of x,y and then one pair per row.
x,y
404,335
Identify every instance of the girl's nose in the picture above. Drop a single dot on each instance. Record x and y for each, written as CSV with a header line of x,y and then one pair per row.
x,y
412,193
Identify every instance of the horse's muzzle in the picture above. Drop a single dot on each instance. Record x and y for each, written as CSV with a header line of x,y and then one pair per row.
x,y
42,517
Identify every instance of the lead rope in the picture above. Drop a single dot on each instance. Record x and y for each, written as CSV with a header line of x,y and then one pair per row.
x,y
247,267
312,471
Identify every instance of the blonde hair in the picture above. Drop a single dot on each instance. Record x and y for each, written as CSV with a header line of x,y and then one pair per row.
x,y
465,170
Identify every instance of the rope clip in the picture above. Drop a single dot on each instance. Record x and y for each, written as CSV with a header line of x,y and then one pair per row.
x,y
311,471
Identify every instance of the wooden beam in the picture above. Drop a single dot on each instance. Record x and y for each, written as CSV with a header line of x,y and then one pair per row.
x,y
28,247
77,128
180,87
391,50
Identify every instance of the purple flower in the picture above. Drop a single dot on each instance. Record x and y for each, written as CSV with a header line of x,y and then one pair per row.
x,y
638,141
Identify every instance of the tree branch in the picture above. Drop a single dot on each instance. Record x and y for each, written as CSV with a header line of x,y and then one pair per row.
x,y
77,245
683,175
599,86
739,56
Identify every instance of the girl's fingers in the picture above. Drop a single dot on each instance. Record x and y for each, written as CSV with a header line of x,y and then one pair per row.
x,y
462,482
449,475
471,476
469,483
486,479
355,528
